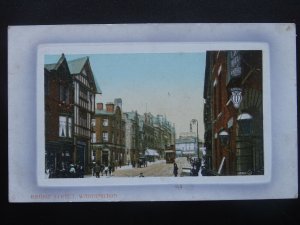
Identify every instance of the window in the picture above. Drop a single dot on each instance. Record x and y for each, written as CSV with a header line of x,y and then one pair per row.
x,y
82,118
235,64
91,102
105,136
70,127
93,138
93,122
105,122
63,126
64,94
83,93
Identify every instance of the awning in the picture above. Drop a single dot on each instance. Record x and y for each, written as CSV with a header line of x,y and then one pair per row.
x,y
244,116
188,152
151,152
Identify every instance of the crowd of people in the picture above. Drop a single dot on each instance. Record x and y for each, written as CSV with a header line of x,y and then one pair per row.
x,y
101,170
70,170
196,165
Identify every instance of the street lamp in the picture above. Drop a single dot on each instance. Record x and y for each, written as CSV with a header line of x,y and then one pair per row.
x,y
236,97
224,138
194,121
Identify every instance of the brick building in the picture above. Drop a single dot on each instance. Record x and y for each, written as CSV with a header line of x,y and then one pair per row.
x,y
233,112
108,138
70,91
59,103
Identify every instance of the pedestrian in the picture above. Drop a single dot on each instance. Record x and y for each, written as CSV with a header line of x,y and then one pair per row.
x,y
109,169
97,171
203,171
93,168
175,170
106,170
102,167
72,171
81,171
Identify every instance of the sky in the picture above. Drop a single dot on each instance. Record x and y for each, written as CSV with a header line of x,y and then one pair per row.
x,y
169,84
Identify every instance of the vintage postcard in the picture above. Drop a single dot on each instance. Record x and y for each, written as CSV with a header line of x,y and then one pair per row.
x,y
151,110
164,116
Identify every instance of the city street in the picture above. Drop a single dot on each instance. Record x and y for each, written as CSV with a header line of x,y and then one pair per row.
x,y
156,169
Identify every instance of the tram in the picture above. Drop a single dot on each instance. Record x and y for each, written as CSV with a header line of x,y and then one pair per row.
x,y
170,154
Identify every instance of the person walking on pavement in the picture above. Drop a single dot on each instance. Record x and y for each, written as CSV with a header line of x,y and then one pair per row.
x,y
72,171
110,168
97,171
175,170
106,170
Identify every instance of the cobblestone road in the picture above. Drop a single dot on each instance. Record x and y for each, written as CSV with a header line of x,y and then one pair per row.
x,y
159,169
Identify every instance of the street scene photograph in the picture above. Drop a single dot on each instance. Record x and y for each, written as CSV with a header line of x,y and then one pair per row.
x,y
185,114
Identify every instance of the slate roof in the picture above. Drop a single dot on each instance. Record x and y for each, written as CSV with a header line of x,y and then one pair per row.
x,y
54,66
50,66
76,65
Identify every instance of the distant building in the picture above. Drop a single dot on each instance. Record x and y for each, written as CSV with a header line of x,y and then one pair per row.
x,y
187,144
164,134
132,137
108,139
147,135
149,141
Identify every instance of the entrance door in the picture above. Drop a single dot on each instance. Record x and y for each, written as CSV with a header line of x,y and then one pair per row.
x,y
80,150
105,158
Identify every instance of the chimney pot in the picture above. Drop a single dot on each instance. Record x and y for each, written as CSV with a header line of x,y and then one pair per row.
x,y
100,106
110,107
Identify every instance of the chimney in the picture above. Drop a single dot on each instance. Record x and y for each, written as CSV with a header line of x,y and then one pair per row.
x,y
110,107
100,106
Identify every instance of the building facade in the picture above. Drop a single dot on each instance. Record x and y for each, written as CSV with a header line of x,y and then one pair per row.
x,y
149,139
133,135
59,107
187,144
108,141
233,112
85,89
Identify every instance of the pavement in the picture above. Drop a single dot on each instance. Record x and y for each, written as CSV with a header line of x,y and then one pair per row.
x,y
159,168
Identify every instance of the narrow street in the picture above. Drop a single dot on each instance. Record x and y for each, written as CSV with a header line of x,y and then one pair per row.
x,y
157,169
